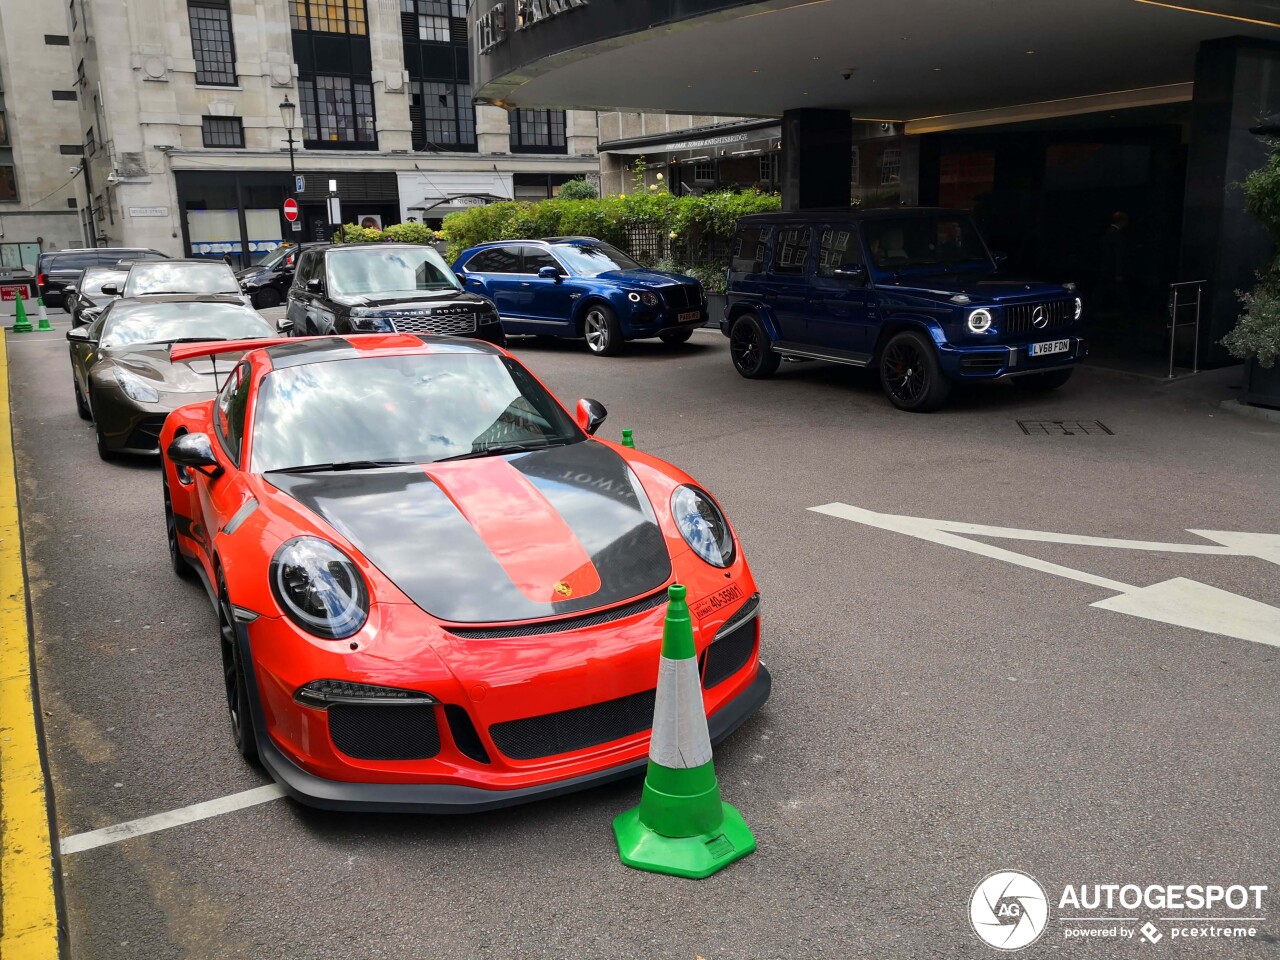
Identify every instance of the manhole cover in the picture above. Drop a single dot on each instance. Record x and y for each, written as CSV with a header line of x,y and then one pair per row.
x,y
1065,428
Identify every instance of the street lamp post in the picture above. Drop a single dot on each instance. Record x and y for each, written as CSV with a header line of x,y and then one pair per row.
x,y
289,114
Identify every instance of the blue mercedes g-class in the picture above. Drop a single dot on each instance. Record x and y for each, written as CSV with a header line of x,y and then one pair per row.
x,y
914,292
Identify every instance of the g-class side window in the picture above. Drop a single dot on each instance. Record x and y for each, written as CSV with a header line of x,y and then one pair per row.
x,y
749,248
791,249
837,247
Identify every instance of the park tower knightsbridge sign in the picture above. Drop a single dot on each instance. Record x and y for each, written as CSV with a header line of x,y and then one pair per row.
x,y
492,28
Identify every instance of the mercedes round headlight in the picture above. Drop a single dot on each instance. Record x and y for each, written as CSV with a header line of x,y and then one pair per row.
x,y
1079,308
980,320
319,588
703,526
135,388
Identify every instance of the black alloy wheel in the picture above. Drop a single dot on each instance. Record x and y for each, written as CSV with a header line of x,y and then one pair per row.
x,y
233,678
749,348
1042,382
100,438
266,298
910,374
673,337
82,408
180,565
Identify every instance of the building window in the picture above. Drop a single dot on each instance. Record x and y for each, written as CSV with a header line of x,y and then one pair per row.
x,y
90,143
443,115
854,178
435,29
769,167
222,131
74,21
8,182
4,129
704,171
329,16
80,77
440,8
537,131
211,42
891,167
337,111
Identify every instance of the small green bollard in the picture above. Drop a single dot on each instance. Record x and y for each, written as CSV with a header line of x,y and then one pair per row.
x,y
627,441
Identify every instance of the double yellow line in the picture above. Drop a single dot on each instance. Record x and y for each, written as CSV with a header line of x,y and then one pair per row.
x,y
28,911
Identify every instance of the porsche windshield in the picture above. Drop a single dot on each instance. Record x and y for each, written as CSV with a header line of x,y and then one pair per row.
x,y
149,322
409,408
592,259
157,277
388,271
926,244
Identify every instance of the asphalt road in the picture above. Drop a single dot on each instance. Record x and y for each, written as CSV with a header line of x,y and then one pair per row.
x,y
937,715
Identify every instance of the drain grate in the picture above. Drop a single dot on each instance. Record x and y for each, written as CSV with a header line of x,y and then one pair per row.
x,y
1065,428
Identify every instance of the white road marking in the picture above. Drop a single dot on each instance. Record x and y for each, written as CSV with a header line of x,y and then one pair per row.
x,y
174,818
1181,602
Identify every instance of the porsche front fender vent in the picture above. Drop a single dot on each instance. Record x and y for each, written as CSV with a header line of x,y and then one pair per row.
x,y
562,626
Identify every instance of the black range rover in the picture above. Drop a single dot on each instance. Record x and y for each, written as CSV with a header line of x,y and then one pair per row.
x,y
384,288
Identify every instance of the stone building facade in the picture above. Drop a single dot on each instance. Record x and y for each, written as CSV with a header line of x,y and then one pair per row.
x,y
186,139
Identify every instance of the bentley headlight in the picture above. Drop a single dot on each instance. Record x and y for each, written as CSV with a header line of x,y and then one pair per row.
x,y
980,320
703,526
633,297
649,299
319,588
135,388
1079,308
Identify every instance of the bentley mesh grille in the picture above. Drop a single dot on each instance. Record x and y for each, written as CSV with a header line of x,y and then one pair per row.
x,y
562,626
446,325
683,296
577,729
385,731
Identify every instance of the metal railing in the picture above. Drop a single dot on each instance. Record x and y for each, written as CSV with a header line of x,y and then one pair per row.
x,y
1176,303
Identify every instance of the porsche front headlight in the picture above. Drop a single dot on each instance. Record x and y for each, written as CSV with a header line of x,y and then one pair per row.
x,y
135,388
319,588
703,526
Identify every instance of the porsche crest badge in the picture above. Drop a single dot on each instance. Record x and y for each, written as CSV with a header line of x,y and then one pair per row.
x,y
563,589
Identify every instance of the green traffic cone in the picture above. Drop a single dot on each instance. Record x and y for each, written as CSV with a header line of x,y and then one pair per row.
x,y
627,441
681,827
20,322
45,326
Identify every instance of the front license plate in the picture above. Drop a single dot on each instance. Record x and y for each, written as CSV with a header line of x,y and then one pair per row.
x,y
688,317
1051,346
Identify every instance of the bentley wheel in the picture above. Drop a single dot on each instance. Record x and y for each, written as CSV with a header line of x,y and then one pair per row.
x,y
672,337
1042,382
910,374
601,329
82,408
749,347
180,565
233,678
266,298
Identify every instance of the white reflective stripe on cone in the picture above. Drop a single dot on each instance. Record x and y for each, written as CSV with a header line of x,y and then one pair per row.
x,y
680,738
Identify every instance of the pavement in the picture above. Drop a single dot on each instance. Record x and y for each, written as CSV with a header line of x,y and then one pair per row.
x,y
940,711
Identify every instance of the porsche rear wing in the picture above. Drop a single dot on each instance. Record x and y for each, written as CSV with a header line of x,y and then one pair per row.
x,y
188,351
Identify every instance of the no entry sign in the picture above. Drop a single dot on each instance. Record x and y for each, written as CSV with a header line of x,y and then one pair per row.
x,y
291,209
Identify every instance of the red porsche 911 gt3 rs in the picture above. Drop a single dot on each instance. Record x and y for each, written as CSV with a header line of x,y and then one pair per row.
x,y
436,591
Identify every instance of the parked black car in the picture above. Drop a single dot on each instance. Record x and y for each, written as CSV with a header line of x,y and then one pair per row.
x,y
384,288
57,268
267,282
84,298
912,293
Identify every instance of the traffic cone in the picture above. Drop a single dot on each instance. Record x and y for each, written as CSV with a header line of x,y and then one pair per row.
x,y
627,441
20,322
45,326
681,827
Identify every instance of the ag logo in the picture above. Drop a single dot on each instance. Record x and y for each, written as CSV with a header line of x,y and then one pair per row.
x,y
1039,319
1009,910
563,589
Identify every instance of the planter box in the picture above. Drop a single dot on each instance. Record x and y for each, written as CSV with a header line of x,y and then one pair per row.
x,y
715,309
1262,385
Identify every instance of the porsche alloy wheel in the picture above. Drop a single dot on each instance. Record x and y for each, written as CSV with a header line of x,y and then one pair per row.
x,y
179,562
749,348
910,374
233,678
601,330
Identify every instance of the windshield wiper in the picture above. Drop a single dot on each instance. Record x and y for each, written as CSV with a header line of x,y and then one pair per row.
x,y
344,465
498,449
197,340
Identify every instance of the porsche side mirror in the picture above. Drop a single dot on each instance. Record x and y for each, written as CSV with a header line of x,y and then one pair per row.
x,y
195,452
111,289
79,335
549,273
591,413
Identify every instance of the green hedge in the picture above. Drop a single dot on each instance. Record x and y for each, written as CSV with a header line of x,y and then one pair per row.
x,y
398,232
680,222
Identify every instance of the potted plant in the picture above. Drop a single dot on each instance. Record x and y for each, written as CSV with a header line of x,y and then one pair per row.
x,y
1256,339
